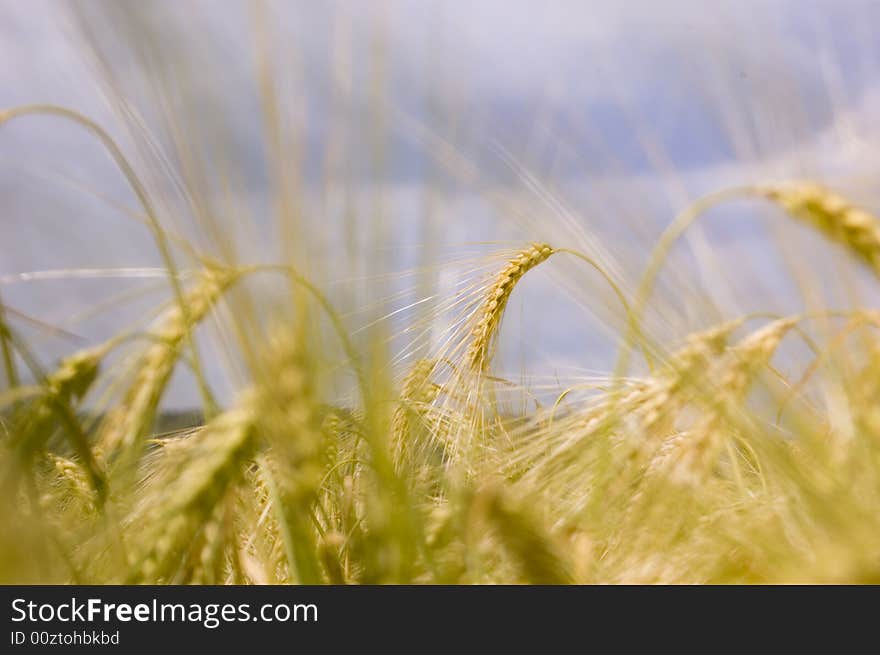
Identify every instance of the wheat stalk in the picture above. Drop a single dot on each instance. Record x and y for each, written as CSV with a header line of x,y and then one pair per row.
x,y
160,235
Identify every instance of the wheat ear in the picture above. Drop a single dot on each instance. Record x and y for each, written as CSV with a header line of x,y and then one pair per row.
x,y
208,465
492,309
834,216
693,457
56,407
130,421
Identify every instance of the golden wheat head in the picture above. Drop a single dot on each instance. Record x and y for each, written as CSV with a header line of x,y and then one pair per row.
x,y
492,308
834,216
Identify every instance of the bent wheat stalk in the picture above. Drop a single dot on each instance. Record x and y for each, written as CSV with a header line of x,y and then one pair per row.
x,y
833,215
160,236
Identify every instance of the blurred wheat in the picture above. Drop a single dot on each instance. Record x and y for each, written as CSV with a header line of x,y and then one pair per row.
x,y
711,465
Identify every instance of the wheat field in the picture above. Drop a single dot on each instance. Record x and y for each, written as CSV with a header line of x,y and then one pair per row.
x,y
369,425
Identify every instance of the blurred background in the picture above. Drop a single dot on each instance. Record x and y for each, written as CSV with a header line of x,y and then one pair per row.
x,y
385,146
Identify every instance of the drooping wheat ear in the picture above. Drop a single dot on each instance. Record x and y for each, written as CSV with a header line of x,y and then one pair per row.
x,y
65,385
417,393
126,425
834,216
62,388
57,408
492,309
